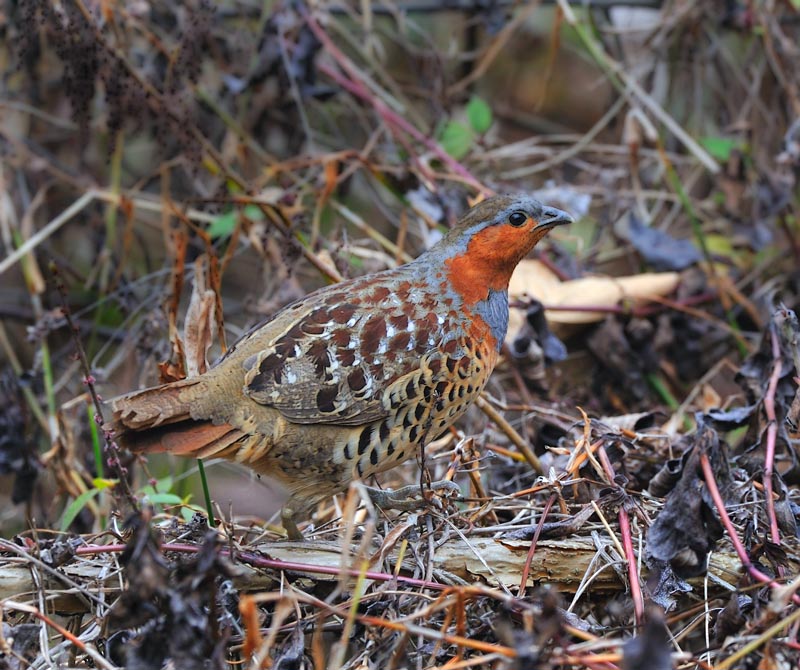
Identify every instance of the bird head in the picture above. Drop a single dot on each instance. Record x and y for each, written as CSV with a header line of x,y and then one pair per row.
x,y
483,249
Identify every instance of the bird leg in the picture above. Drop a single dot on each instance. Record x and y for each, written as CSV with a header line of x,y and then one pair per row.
x,y
289,524
406,498
409,497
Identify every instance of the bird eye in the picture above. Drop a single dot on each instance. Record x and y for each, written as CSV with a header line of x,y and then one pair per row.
x,y
518,219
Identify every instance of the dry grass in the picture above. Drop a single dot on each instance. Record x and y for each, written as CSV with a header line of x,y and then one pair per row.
x,y
280,147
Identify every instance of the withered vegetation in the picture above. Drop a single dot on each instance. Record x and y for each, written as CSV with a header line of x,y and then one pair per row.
x,y
629,480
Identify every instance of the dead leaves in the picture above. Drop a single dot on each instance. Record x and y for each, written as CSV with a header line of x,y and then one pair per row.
x,y
686,528
200,324
592,297
171,611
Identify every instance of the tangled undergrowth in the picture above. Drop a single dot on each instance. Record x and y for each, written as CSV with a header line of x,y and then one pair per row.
x,y
629,481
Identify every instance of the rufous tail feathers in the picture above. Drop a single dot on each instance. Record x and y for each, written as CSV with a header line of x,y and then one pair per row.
x,y
159,419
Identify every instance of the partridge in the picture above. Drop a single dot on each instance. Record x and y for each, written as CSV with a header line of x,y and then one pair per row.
x,y
351,380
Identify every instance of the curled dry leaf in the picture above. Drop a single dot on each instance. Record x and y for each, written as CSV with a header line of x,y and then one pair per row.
x,y
199,326
688,528
635,422
536,280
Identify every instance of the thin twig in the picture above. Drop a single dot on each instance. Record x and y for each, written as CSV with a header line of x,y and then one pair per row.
x,y
772,432
111,448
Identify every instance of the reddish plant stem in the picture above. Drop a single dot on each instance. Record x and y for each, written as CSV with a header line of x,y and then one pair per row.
x,y
741,552
43,617
358,88
627,544
630,555
260,562
532,550
647,310
772,433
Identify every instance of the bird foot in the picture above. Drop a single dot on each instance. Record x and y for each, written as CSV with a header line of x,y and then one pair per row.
x,y
410,497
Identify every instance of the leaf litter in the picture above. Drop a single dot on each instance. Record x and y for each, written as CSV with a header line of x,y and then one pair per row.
x,y
629,482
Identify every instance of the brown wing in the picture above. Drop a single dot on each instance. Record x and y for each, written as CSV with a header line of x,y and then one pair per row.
x,y
330,358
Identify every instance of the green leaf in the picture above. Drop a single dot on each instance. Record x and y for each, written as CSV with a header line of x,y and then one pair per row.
x,y
188,511
355,262
582,235
720,245
456,139
164,484
75,508
479,114
101,483
164,499
223,225
254,213
721,147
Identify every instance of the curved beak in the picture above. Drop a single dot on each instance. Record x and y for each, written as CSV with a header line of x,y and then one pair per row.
x,y
552,217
